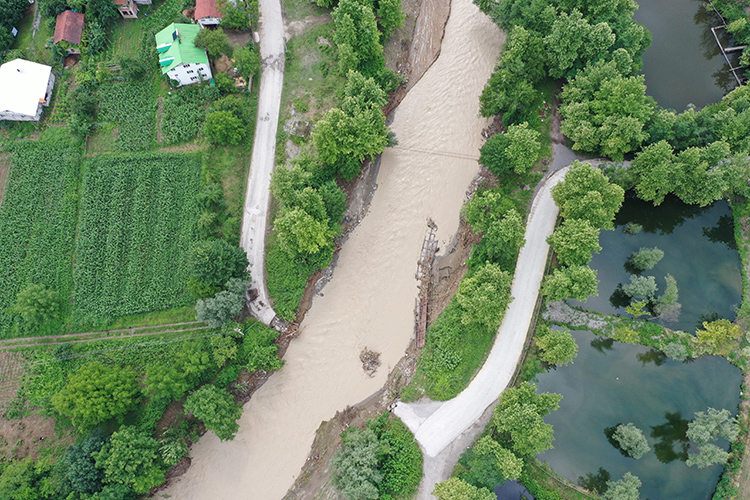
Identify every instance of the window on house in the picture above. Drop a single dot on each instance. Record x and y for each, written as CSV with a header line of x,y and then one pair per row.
x,y
190,71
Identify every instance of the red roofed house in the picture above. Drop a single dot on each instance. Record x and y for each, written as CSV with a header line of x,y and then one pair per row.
x,y
127,8
69,28
207,13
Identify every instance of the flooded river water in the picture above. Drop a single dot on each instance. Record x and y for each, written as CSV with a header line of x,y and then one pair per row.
x,y
369,302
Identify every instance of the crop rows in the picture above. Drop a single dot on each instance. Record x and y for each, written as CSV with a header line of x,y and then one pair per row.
x,y
37,222
133,108
184,115
137,226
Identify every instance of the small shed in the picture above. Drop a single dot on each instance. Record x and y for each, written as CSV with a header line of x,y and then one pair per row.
x,y
25,87
69,27
127,9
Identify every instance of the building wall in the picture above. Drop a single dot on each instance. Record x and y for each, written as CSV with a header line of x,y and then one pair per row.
x,y
18,117
190,73
209,21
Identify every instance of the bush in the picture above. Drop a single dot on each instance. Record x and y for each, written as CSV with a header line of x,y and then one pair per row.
x,y
217,409
558,346
631,440
646,258
223,127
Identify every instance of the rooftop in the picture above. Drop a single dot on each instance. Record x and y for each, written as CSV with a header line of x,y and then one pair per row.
x,y
176,46
69,27
206,8
23,85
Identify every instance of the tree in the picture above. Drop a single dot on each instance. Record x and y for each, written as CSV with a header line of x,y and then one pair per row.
x,y
656,170
357,38
645,258
717,336
573,43
666,305
519,416
712,424
130,458
234,16
515,151
574,242
213,263
247,59
640,287
225,305
492,464
400,459
575,282
215,42
37,304
456,489
355,466
623,489
708,455
587,194
502,239
558,346
390,16
26,480
485,296
223,127
631,440
300,233
675,350
103,11
606,112
217,409
96,393
81,469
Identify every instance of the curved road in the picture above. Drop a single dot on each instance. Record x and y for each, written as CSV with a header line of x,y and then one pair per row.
x,y
257,195
436,425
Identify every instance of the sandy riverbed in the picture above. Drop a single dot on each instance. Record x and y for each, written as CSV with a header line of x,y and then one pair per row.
x,y
369,302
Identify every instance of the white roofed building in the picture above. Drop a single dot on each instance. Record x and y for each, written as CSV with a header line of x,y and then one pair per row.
x,y
25,87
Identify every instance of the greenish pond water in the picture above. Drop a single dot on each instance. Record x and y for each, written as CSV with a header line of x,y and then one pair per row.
x,y
611,383
699,251
683,65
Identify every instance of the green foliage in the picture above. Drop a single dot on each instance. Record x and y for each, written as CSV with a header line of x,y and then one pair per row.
x,y
456,489
95,394
299,232
575,282
573,43
675,350
239,16
11,13
558,346
213,263
217,409
484,296
183,115
712,424
357,38
81,469
717,337
631,440
225,305
137,223
390,16
215,42
574,242
132,107
488,464
247,60
37,304
399,457
501,241
26,480
38,223
130,459
623,489
709,455
223,127
640,287
646,258
587,194
355,466
515,151
83,106
259,350
518,418
605,112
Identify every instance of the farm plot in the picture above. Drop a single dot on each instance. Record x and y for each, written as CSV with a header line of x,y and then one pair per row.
x,y
37,224
132,107
137,226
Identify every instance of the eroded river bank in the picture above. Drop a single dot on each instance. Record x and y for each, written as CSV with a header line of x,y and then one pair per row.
x,y
370,299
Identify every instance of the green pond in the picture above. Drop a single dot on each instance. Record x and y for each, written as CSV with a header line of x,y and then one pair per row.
x,y
683,65
611,383
699,252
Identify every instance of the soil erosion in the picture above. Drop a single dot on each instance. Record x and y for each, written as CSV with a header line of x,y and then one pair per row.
x,y
369,301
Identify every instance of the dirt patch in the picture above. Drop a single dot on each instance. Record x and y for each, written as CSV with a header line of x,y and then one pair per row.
x,y
239,38
295,28
555,120
4,171
28,436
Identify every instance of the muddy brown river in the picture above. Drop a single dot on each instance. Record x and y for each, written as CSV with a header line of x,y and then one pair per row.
x,y
369,301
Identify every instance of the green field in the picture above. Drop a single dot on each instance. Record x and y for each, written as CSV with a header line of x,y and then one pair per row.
x,y
137,224
38,222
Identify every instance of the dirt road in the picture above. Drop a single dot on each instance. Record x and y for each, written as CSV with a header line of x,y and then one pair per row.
x,y
257,196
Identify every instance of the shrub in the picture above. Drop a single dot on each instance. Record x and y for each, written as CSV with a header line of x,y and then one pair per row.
x,y
631,440
646,258
217,409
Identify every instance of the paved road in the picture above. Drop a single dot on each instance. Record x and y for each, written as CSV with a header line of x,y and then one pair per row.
x,y
257,196
437,428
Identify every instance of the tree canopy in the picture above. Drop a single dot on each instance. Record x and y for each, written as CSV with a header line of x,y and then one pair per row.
x,y
456,489
130,458
575,282
587,194
485,296
217,409
519,415
558,347
516,151
574,242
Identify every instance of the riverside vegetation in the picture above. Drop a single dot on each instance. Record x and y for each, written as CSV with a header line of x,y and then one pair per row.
x,y
596,49
124,212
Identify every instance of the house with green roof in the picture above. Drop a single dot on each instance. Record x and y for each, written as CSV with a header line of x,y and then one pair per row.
x,y
179,58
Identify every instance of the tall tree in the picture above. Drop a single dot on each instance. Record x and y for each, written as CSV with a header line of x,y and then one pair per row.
x,y
574,242
515,151
456,489
519,416
575,282
587,194
130,458
485,296
217,409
